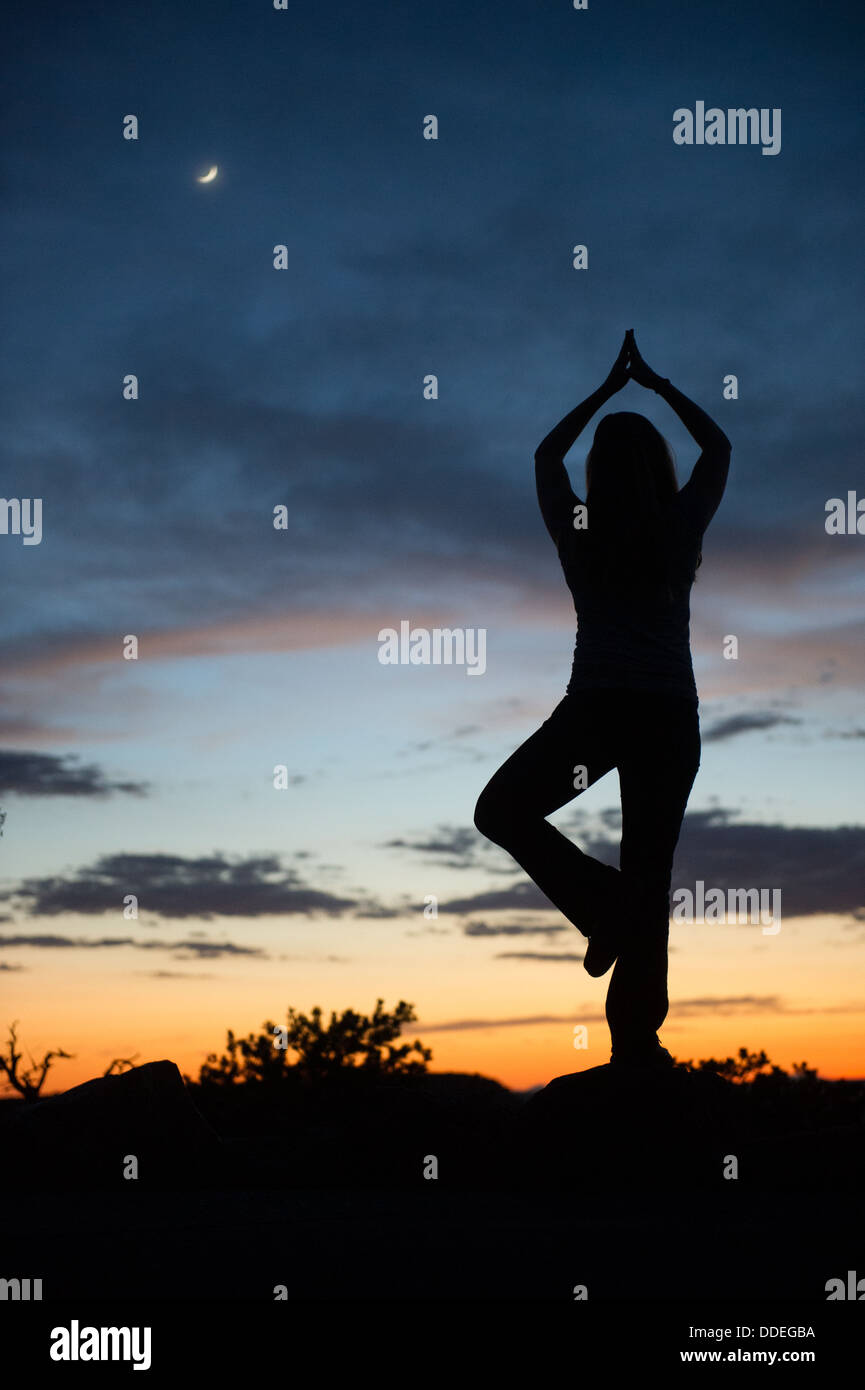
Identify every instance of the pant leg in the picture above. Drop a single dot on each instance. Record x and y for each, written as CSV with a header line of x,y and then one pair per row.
x,y
535,781
657,767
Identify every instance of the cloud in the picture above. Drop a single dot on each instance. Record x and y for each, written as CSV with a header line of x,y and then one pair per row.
x,y
567,957
173,887
450,742
50,943
82,668
455,847
23,728
514,929
458,843
744,1004
174,975
745,723
43,774
730,1004
523,896
462,1025
818,869
197,950
203,950
307,626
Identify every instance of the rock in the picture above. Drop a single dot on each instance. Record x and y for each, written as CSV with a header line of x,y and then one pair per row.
x,y
610,1127
85,1137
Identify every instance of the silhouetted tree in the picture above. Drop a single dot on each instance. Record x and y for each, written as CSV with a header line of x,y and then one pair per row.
x,y
349,1042
30,1082
749,1066
120,1063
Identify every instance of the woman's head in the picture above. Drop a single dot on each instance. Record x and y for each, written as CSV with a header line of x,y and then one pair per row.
x,y
630,462
630,479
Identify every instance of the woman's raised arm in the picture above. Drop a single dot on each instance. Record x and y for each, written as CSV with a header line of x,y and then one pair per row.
x,y
556,496
704,489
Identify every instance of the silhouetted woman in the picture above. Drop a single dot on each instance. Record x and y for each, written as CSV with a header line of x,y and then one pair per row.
x,y
630,555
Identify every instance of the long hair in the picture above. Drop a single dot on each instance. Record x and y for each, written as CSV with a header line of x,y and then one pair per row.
x,y
630,479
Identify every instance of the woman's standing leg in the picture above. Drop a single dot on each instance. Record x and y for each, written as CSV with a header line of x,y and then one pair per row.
x,y
535,781
658,762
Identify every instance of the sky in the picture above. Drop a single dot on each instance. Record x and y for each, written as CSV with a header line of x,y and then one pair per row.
x,y
303,388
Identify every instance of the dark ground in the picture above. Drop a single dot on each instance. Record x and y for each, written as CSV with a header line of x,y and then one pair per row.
x,y
605,1180
269,1233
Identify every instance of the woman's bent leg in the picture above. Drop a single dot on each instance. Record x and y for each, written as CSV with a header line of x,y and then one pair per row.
x,y
535,781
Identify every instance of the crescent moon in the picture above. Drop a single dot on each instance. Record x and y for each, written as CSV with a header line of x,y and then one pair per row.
x,y
210,175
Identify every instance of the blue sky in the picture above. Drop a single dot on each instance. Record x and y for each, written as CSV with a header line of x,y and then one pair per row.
x,y
303,388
